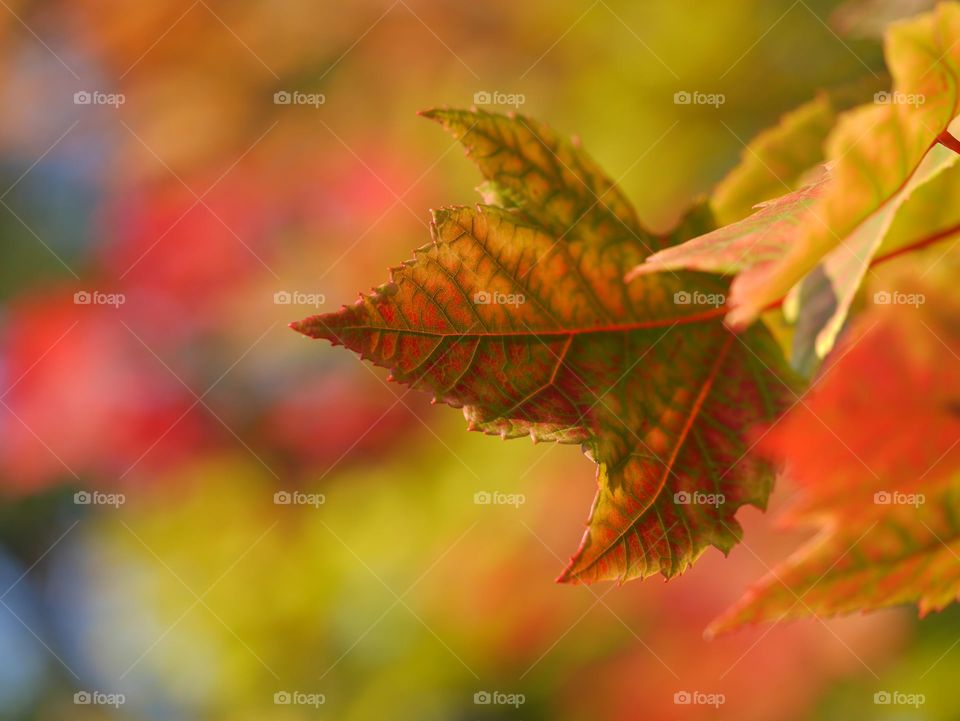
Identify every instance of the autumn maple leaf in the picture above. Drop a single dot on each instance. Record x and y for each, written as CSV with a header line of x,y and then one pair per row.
x,y
884,483
827,234
518,313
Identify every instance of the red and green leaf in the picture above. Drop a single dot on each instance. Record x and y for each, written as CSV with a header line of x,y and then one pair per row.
x,y
906,554
829,232
884,480
660,393
876,151
745,248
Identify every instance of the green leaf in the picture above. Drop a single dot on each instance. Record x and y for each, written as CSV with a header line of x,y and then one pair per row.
x,y
846,266
930,214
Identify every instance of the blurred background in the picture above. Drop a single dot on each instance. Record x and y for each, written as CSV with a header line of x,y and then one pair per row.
x,y
206,516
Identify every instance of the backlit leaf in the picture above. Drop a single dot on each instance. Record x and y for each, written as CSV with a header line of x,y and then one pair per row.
x,y
876,151
903,554
879,156
884,482
521,317
745,248
547,178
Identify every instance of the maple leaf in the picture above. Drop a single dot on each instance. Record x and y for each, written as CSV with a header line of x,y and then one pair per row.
x,y
918,215
519,314
906,555
884,482
876,150
829,233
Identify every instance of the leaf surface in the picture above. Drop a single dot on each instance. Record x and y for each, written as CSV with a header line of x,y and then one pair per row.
x,y
906,554
520,316
875,151
884,482
745,248
879,156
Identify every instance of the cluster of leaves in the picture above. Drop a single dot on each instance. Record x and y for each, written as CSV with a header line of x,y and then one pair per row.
x,y
550,311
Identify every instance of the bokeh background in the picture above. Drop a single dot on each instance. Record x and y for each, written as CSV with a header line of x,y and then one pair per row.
x,y
198,216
